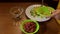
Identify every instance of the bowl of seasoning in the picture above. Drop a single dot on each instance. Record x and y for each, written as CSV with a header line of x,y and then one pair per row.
x,y
29,26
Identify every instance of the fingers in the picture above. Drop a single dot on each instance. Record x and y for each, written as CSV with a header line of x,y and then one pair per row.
x,y
55,12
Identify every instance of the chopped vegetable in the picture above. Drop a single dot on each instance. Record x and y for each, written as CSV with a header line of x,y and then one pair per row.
x,y
41,11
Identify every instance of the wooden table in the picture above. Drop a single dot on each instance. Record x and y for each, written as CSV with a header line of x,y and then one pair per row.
x,y
6,22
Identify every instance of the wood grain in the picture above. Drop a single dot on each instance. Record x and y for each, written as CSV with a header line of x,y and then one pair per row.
x,y
6,22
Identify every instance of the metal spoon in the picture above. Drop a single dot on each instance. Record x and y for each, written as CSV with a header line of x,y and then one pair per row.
x,y
42,2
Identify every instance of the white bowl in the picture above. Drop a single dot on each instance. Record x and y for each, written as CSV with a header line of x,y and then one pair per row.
x,y
34,18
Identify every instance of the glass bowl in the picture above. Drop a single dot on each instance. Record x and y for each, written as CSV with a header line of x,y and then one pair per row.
x,y
16,12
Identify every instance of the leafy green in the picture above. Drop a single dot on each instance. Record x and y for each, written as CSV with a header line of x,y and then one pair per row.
x,y
41,11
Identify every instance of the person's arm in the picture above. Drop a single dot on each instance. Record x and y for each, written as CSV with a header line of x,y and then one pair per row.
x,y
57,17
57,11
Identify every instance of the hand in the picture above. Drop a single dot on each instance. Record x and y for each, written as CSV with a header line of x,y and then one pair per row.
x,y
55,12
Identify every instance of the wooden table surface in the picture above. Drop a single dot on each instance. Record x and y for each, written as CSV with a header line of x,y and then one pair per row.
x,y
6,22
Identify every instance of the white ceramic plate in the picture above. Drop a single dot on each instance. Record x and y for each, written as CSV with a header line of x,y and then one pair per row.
x,y
34,18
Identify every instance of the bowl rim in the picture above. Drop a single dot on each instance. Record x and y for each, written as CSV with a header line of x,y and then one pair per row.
x,y
31,17
37,28
19,8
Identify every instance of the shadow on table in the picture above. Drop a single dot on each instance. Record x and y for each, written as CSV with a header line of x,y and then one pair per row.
x,y
42,29
48,27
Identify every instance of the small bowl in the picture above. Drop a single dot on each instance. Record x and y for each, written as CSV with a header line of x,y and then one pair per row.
x,y
25,21
16,12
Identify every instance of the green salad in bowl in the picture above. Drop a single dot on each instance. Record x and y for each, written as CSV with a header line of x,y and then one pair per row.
x,y
42,11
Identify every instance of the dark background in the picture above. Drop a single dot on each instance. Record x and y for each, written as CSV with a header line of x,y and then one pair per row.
x,y
52,3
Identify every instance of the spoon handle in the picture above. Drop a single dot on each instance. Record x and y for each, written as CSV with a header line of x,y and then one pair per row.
x,y
42,2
